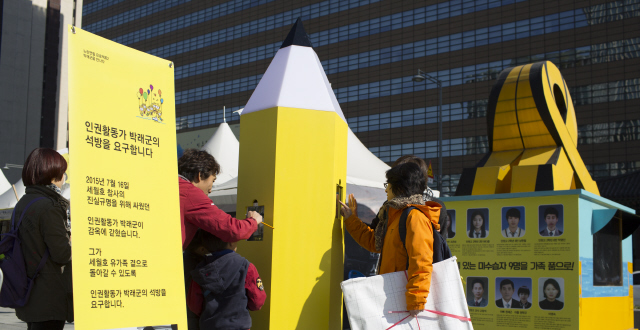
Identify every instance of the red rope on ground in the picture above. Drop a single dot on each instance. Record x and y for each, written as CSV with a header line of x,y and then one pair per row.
x,y
397,322
462,318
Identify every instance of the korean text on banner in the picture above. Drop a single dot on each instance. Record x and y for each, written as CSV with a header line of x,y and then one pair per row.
x,y
127,256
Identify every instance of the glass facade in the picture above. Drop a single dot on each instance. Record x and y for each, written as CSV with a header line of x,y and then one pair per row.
x,y
98,5
619,131
370,50
207,118
587,134
253,27
127,16
346,32
590,94
606,170
224,88
601,53
423,48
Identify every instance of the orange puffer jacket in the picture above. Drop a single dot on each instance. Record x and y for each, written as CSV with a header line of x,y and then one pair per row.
x,y
393,256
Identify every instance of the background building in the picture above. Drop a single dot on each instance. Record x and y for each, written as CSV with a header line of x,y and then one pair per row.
x,y
371,49
33,77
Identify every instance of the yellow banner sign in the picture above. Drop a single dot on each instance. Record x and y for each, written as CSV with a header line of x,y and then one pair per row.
x,y
127,256
519,258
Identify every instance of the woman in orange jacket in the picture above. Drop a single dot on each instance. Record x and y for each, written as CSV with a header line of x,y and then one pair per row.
x,y
404,188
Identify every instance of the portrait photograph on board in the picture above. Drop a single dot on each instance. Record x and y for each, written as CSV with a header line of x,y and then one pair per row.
x,y
478,223
551,293
551,220
448,228
513,222
513,292
477,291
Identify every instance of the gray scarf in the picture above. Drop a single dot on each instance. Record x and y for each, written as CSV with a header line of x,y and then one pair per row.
x,y
55,188
383,216
64,202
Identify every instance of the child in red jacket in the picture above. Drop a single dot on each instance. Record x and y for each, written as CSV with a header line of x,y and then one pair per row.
x,y
225,285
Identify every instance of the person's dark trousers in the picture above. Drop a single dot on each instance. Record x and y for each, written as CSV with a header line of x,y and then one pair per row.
x,y
190,261
46,325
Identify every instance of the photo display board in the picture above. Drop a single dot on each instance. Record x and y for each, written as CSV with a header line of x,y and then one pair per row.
x,y
125,211
519,258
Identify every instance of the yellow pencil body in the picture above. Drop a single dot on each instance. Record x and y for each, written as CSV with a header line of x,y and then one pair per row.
x,y
293,160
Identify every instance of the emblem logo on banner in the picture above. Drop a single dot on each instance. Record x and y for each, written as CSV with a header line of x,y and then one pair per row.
x,y
150,104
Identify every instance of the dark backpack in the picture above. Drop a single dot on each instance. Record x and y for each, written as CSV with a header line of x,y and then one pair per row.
x,y
16,286
440,248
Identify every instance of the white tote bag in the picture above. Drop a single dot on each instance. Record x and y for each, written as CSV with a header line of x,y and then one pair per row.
x,y
379,303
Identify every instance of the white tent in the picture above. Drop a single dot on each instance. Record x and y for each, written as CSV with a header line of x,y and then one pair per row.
x,y
363,167
4,183
225,196
365,171
8,198
225,148
66,189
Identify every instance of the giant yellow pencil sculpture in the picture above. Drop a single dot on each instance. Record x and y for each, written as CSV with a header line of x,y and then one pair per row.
x,y
293,158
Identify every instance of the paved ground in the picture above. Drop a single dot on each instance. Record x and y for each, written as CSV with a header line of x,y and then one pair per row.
x,y
9,321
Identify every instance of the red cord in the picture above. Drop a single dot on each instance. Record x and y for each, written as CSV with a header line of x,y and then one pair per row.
x,y
462,318
398,322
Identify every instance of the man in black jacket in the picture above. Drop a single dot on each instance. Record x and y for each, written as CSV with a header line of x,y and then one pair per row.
x,y
506,290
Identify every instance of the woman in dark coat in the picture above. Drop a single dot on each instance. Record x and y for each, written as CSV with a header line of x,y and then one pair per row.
x,y
44,227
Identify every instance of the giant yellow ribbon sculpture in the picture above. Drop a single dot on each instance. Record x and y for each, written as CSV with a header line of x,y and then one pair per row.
x,y
533,136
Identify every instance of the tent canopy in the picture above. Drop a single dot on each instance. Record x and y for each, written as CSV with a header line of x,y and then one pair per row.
x,y
363,167
4,183
225,148
8,198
